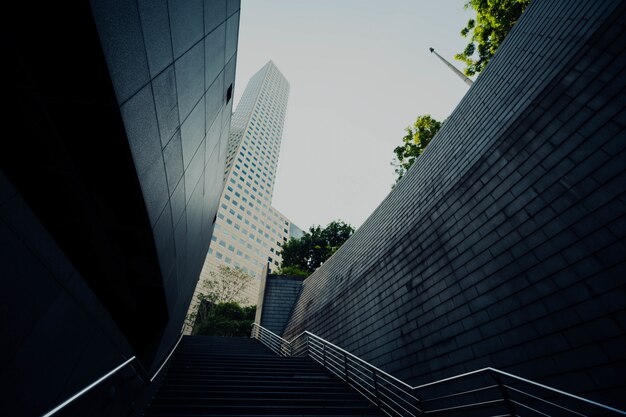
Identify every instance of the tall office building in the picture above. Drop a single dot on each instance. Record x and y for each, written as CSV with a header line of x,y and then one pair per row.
x,y
248,230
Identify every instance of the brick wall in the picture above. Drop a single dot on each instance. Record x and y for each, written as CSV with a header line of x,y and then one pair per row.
x,y
504,245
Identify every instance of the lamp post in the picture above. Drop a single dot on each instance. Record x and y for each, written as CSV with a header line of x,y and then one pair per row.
x,y
453,68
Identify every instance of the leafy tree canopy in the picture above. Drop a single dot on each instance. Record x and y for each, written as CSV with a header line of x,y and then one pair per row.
x,y
494,19
292,270
315,246
417,137
226,285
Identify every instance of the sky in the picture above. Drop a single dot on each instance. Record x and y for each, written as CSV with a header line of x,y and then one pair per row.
x,y
360,71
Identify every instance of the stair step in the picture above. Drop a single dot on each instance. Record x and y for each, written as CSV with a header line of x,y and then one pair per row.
x,y
331,386
186,410
252,393
252,413
290,385
241,402
240,364
243,372
255,377
246,365
252,382
237,367
237,357
265,385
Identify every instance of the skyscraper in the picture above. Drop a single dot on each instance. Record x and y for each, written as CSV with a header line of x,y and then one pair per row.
x,y
248,230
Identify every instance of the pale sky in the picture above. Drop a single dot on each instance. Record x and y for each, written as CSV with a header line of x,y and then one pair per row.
x,y
360,72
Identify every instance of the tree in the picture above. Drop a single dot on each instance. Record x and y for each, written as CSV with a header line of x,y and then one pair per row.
x,y
226,285
225,319
315,246
494,19
417,137
292,270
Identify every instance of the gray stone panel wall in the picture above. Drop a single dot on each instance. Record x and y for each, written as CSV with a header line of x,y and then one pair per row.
x,y
504,245
281,293
171,64
108,190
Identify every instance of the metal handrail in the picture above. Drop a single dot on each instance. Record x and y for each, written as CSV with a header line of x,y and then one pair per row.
x,y
344,365
107,375
558,391
87,388
380,371
167,358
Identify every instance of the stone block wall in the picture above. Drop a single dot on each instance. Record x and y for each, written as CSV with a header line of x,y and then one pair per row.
x,y
505,243
280,295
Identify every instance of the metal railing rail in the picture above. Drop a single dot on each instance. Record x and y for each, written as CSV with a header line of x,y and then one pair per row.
x,y
489,390
113,371
167,358
87,388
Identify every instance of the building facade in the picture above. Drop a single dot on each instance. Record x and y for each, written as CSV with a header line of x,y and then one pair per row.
x,y
248,230
120,115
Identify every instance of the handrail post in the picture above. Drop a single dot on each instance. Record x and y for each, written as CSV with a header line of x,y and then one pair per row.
x,y
345,365
504,393
324,354
375,378
307,347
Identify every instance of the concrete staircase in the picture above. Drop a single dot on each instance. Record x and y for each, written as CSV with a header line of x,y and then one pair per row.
x,y
222,376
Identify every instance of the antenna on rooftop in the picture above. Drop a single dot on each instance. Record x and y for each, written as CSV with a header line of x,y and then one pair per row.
x,y
453,68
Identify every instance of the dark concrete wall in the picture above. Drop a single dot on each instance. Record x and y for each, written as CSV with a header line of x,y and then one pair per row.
x,y
67,154
504,245
111,172
57,335
280,295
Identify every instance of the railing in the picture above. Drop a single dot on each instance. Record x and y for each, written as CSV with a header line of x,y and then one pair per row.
x,y
276,343
146,378
484,392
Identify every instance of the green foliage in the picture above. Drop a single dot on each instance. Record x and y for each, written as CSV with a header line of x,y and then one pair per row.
x,y
417,137
494,19
227,285
225,319
315,246
292,270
